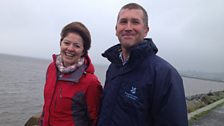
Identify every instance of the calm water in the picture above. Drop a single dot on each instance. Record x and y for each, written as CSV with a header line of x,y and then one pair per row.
x,y
22,82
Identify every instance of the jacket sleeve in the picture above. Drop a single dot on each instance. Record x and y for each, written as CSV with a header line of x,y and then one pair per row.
x,y
93,100
169,105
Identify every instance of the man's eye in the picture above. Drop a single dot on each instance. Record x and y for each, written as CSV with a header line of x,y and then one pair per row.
x,y
123,22
135,22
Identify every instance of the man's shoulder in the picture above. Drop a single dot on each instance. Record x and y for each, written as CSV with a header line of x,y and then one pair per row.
x,y
159,63
157,60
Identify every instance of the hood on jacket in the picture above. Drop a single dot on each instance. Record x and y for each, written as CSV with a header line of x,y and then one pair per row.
x,y
138,51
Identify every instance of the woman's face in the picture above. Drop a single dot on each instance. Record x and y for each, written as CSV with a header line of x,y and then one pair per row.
x,y
72,49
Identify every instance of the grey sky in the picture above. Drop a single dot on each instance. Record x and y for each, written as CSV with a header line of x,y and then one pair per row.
x,y
188,33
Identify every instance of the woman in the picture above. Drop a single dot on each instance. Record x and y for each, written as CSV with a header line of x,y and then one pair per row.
x,y
72,92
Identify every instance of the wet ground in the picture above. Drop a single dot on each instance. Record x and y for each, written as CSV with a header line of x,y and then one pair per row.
x,y
214,117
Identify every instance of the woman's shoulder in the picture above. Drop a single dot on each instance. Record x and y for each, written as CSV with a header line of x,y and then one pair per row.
x,y
91,82
92,78
51,66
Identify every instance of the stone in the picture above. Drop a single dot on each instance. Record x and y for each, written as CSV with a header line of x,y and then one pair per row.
x,y
33,121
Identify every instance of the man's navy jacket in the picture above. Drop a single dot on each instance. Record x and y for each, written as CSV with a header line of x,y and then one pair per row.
x,y
146,91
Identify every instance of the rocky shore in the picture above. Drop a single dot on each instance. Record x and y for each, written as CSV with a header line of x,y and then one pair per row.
x,y
201,100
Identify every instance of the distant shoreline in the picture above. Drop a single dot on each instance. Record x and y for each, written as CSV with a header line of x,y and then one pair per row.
x,y
22,56
201,78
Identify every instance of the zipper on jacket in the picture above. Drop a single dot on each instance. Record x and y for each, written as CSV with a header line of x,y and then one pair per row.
x,y
60,92
58,97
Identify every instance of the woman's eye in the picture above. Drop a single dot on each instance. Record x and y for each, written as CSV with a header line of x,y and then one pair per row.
x,y
66,43
77,46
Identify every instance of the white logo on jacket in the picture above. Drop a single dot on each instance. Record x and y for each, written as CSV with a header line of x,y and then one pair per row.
x,y
133,90
132,94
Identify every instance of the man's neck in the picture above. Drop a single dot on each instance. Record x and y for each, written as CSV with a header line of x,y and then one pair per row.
x,y
125,54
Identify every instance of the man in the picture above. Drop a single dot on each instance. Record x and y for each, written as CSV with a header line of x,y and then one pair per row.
x,y
141,89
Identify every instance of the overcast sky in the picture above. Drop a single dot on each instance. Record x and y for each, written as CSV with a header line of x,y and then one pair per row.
x,y
188,33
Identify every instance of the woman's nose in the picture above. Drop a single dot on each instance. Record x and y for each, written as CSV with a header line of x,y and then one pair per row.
x,y
71,47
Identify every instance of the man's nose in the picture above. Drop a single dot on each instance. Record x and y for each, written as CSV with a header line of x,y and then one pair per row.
x,y
128,26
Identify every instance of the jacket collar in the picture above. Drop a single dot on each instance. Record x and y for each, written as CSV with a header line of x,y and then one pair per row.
x,y
138,52
76,75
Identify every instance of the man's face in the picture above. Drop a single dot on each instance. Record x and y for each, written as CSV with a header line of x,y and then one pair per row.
x,y
130,27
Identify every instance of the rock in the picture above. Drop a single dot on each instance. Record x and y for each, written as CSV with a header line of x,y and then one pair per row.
x,y
33,121
194,105
206,99
200,100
